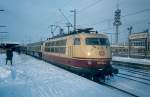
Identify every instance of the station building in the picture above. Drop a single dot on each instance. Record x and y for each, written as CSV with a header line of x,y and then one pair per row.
x,y
138,45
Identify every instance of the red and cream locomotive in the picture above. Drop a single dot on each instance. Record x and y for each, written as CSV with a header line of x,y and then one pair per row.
x,y
83,52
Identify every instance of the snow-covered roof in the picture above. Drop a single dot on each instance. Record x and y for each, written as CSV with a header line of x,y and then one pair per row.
x,y
9,42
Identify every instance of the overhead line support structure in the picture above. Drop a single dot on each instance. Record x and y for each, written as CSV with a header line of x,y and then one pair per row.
x,y
117,23
74,11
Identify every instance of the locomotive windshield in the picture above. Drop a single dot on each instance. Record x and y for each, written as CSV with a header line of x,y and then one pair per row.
x,y
97,41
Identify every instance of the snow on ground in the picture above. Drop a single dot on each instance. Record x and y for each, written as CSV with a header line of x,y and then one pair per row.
x,y
131,60
135,86
4,73
30,77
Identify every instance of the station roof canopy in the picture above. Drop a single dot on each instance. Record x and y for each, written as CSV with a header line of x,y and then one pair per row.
x,y
8,44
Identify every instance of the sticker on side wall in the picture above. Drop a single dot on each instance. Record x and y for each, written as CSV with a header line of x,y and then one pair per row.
x,y
101,53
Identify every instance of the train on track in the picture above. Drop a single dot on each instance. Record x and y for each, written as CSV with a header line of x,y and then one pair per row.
x,y
84,52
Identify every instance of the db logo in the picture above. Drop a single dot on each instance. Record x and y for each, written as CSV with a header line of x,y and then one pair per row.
x,y
101,53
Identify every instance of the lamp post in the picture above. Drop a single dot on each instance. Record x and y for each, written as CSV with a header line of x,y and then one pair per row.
x,y
148,44
129,42
1,10
74,11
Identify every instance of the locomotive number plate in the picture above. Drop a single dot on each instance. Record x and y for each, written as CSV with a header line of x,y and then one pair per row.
x,y
101,62
101,53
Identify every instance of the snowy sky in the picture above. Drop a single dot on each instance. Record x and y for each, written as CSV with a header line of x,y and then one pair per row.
x,y
28,20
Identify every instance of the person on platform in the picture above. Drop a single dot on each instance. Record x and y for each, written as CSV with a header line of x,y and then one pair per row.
x,y
9,55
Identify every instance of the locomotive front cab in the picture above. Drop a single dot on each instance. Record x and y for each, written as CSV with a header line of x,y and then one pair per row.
x,y
92,52
98,51
98,47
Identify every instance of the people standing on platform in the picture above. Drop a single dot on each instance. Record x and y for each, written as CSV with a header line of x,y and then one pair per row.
x,y
9,55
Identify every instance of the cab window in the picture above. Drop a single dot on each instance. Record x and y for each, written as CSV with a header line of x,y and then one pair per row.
x,y
97,41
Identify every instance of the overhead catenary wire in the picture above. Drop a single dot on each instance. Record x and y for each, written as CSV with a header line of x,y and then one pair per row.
x,y
82,9
59,21
110,19
138,12
64,16
90,5
126,25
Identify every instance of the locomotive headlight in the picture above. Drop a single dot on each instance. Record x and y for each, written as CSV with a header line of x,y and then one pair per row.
x,y
88,53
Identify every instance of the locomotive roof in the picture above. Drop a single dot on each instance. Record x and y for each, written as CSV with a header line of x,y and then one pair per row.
x,y
93,33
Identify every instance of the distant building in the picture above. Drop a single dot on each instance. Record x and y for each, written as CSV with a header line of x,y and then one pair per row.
x,y
138,45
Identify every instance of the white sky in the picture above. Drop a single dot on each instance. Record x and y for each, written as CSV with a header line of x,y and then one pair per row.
x,y
28,20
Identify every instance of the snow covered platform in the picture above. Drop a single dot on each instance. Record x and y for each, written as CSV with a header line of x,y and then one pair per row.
x,y
30,77
134,61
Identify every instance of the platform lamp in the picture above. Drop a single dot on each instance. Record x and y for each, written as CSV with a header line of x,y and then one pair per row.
x,y
148,41
129,41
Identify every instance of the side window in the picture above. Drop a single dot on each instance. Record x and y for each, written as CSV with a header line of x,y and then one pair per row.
x,y
77,41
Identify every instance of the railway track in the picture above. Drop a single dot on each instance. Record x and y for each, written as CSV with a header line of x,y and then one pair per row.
x,y
109,85
133,79
147,72
136,72
127,78
138,75
125,86
125,90
113,87
132,65
104,83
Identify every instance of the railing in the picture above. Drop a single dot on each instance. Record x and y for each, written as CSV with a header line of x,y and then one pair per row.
x,y
135,53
